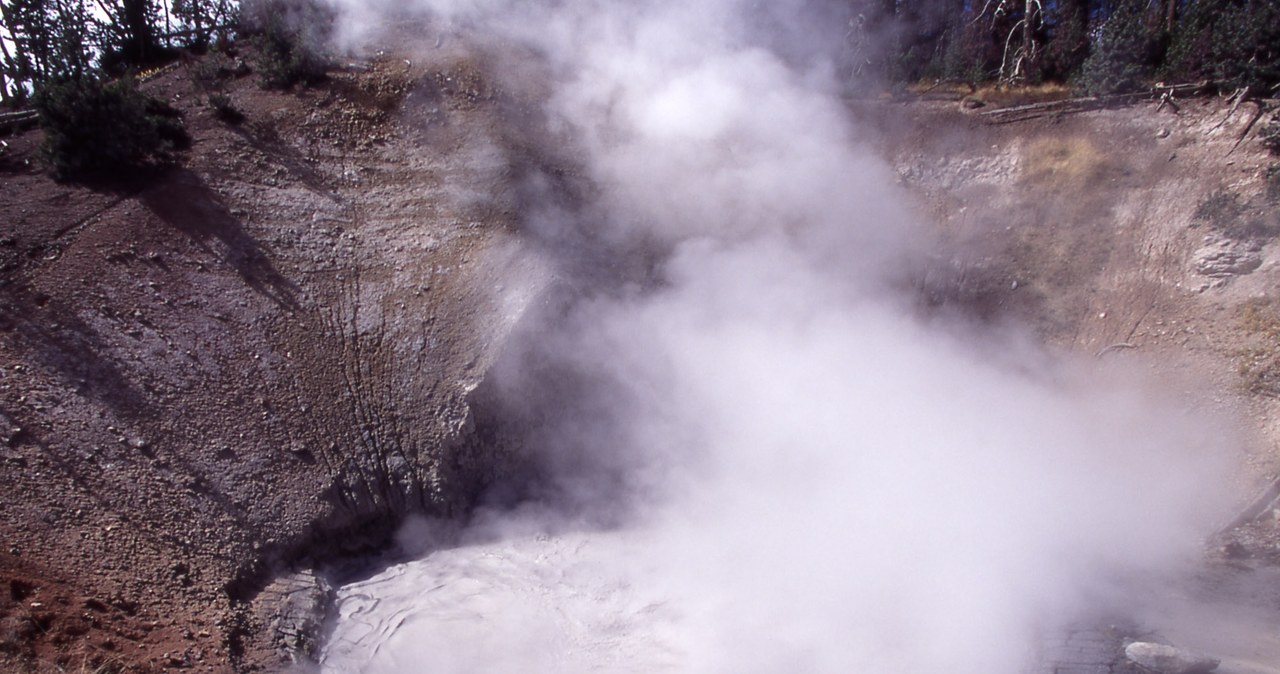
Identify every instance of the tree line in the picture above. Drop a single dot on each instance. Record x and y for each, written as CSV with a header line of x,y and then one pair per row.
x,y
73,61
49,40
1099,46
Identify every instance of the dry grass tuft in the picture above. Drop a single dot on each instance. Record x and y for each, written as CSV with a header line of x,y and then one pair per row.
x,y
993,95
1259,365
1062,163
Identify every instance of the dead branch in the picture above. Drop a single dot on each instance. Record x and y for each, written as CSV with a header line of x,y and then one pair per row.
x,y
983,13
195,31
1114,347
1004,58
1257,114
1238,97
1264,501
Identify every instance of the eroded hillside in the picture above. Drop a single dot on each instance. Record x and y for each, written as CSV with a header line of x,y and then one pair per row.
x,y
1137,235
260,356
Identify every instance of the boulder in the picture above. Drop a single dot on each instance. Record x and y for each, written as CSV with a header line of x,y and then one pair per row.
x,y
1221,259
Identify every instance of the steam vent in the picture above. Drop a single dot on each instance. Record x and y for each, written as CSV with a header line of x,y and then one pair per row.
x,y
708,337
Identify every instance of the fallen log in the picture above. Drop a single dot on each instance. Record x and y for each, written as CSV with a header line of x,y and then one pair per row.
x,y
1019,113
17,121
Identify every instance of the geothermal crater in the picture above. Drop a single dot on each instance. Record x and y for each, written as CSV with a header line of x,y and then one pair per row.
x,y
633,395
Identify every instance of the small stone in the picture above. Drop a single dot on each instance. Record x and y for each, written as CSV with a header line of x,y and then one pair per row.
x,y
1168,660
1162,133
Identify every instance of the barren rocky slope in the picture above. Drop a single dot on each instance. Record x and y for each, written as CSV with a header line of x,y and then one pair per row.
x,y
219,376
262,356
1136,235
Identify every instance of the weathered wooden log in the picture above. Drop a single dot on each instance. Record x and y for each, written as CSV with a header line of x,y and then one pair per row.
x,y
1160,91
14,121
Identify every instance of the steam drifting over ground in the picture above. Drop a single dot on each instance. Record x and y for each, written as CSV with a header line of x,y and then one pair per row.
x,y
755,456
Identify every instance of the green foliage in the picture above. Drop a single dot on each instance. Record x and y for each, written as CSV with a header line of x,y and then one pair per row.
x,y
224,108
45,40
285,62
129,38
1234,42
970,54
207,74
1102,46
1126,54
205,17
209,77
92,128
1068,46
291,35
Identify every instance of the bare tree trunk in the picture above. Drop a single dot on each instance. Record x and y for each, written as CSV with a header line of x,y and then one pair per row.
x,y
20,61
1030,20
1171,16
140,39
69,36
8,68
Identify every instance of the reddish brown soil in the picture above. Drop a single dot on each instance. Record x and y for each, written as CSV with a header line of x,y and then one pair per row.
x,y
205,368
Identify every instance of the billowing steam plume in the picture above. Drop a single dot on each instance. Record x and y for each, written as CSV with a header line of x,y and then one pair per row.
x,y
755,456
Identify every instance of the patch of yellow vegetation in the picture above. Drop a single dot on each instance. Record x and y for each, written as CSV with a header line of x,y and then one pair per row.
x,y
1000,96
1062,163
1260,317
1259,365
1005,96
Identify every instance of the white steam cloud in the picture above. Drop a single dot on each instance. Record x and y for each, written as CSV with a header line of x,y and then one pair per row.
x,y
797,473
